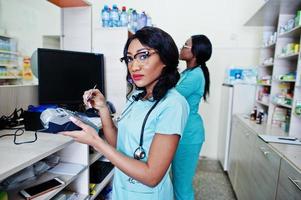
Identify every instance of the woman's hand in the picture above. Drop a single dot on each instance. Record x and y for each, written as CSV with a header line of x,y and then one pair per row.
x,y
94,98
87,135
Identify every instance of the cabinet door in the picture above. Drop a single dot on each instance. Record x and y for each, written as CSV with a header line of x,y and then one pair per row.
x,y
289,184
245,154
265,168
233,152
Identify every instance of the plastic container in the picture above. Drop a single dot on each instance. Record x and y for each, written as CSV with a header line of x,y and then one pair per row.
x,y
105,15
123,17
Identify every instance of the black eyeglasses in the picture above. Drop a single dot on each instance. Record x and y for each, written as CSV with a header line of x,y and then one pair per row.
x,y
141,57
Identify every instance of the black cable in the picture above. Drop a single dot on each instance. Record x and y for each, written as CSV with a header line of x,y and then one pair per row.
x,y
15,134
26,142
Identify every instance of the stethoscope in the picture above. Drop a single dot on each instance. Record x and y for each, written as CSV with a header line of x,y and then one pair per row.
x,y
139,153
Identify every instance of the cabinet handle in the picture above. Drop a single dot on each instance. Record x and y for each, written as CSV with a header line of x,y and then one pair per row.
x,y
295,182
265,153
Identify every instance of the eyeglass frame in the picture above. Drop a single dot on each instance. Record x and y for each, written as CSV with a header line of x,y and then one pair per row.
x,y
142,53
186,47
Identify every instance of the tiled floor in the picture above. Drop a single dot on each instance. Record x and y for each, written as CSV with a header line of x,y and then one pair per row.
x,y
211,183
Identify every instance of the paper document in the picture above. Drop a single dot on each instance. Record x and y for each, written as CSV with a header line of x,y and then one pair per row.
x,y
280,139
67,169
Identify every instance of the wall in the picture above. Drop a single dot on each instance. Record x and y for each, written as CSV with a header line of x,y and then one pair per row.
x,y
222,21
29,20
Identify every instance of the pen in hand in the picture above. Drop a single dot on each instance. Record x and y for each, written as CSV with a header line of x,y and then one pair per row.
x,y
90,95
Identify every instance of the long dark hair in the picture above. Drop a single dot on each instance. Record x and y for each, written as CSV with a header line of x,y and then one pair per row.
x,y
202,50
167,50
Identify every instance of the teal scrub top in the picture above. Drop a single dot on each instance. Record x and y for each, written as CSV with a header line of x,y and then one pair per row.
x,y
168,117
191,85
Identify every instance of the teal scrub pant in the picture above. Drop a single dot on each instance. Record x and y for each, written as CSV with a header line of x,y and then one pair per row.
x,y
183,169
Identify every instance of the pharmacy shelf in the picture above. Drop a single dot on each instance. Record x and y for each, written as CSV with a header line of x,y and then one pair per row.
x,y
269,46
283,105
10,77
9,52
267,65
259,84
262,103
284,81
294,33
94,157
99,187
46,176
289,57
8,65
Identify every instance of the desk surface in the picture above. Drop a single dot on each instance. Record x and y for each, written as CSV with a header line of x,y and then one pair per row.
x,y
14,158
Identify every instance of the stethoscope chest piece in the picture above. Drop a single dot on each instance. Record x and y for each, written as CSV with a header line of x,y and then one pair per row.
x,y
139,153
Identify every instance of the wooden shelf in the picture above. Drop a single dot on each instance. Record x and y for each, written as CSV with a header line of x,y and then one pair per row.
x,y
259,84
283,105
294,33
290,56
269,46
9,77
70,3
262,103
8,65
99,187
284,81
47,176
9,52
94,157
267,65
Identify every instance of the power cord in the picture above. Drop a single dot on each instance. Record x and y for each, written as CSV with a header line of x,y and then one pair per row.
x,y
22,130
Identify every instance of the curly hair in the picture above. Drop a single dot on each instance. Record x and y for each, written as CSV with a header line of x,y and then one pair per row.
x,y
167,50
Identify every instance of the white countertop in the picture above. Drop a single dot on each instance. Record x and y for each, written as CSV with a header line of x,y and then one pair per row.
x,y
289,152
14,158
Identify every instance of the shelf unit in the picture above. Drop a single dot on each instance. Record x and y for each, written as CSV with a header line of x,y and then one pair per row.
x,y
19,157
279,58
9,61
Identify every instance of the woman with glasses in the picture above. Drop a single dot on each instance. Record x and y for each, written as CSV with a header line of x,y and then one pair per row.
x,y
194,86
143,144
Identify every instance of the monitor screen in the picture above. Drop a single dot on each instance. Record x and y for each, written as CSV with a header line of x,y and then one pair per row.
x,y
65,75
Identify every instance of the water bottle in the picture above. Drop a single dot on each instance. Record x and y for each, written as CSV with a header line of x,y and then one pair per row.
x,y
115,16
130,19
105,16
149,21
134,27
110,18
124,17
142,21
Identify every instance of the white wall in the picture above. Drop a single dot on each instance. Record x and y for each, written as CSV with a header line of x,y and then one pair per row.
x,y
29,20
222,21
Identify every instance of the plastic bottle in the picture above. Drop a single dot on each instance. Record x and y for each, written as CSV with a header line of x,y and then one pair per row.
x,y
123,17
259,117
115,16
149,21
142,21
134,27
110,24
253,114
130,19
105,15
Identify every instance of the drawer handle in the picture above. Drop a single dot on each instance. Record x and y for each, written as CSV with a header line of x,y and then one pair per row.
x,y
265,153
295,182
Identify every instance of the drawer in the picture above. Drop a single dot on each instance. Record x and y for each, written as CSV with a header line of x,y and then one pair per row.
x,y
289,184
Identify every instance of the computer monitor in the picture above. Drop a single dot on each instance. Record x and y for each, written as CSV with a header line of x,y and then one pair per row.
x,y
65,75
